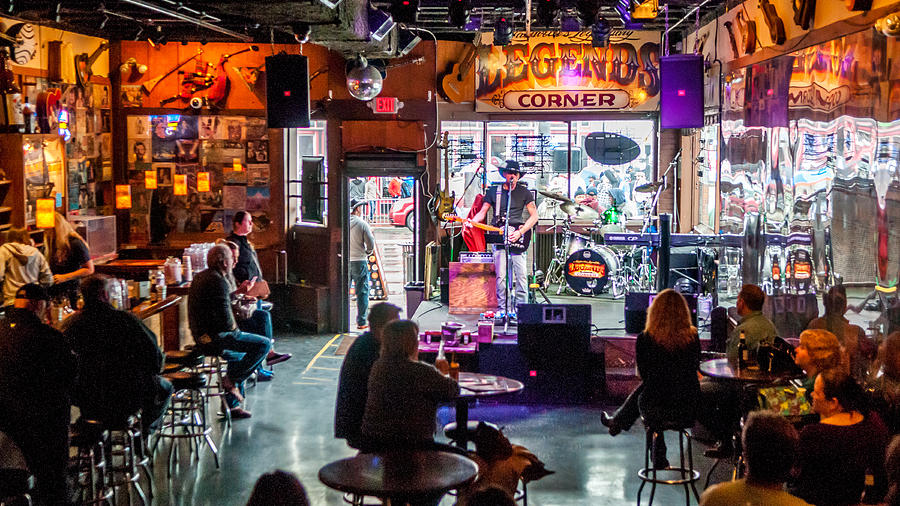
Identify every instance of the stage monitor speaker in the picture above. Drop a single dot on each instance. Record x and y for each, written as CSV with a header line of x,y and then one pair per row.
x,y
287,91
554,335
637,303
681,93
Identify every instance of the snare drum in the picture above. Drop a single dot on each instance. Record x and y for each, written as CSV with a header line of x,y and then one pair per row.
x,y
573,242
589,271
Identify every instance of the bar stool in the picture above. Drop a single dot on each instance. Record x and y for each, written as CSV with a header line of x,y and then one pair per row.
x,y
125,444
90,464
682,475
186,416
214,366
15,487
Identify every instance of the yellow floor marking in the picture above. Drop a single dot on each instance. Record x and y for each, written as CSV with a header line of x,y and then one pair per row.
x,y
321,352
326,368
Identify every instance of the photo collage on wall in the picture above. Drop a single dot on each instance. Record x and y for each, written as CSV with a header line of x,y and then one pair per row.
x,y
85,125
205,168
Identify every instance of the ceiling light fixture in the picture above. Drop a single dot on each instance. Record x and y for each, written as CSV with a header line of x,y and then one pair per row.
x,y
502,32
407,41
404,11
547,10
183,17
364,81
380,24
459,11
331,4
301,32
587,11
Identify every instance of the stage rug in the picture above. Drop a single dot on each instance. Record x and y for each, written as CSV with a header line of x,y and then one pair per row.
x,y
346,342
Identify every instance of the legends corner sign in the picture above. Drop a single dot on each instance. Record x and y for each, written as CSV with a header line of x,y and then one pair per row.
x,y
553,71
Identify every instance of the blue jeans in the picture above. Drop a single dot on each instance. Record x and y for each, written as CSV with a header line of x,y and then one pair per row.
x,y
520,276
259,323
253,348
359,273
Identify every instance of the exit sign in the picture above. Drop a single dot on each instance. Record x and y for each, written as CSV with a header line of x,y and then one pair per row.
x,y
385,105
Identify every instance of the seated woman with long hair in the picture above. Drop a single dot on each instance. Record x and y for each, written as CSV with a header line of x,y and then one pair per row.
x,y
403,393
836,453
667,354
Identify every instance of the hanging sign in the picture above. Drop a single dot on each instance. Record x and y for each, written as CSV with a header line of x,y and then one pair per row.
x,y
562,71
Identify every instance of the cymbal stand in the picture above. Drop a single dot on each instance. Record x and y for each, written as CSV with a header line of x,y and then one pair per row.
x,y
647,219
555,269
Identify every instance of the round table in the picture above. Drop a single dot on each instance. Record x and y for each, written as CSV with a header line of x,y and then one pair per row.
x,y
723,369
473,385
399,476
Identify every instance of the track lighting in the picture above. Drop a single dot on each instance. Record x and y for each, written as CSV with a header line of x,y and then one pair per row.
x,y
547,10
600,32
502,32
459,11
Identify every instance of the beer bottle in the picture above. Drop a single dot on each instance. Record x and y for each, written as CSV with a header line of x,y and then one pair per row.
x,y
441,362
743,351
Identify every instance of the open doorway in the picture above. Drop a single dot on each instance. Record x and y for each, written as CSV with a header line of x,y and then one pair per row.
x,y
386,204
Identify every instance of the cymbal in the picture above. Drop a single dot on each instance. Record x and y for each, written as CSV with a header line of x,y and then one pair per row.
x,y
555,196
579,211
647,187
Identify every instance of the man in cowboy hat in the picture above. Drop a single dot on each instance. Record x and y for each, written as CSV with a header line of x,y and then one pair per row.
x,y
516,198
362,244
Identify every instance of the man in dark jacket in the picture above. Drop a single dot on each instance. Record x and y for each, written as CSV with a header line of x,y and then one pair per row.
x,y
354,378
214,328
37,371
118,361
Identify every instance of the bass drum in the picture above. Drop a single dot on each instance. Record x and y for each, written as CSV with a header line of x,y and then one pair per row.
x,y
590,271
573,242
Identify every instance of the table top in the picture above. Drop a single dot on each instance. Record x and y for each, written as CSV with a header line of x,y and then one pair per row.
x,y
473,384
721,368
399,475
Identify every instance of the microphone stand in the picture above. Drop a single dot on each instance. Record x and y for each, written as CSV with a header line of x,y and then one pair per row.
x,y
508,266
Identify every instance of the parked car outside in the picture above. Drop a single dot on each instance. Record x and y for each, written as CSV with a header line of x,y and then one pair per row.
x,y
402,213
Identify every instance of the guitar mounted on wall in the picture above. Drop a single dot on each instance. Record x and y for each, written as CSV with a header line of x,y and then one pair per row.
x,y
83,64
748,29
729,26
456,85
804,11
774,22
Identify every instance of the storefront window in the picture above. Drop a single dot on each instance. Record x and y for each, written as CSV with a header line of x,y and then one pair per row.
x,y
308,171
707,166
609,160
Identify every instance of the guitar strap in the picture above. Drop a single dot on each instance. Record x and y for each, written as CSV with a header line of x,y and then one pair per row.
x,y
499,212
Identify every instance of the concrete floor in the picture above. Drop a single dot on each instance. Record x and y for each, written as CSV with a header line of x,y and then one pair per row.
x,y
291,429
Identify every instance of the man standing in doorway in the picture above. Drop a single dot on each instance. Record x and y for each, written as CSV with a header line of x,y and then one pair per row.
x,y
372,196
362,244
516,198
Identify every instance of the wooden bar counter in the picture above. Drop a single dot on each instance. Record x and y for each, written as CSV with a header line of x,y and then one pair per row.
x,y
165,319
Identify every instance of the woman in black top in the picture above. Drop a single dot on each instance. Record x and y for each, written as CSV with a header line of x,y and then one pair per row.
x,y
836,453
70,258
667,354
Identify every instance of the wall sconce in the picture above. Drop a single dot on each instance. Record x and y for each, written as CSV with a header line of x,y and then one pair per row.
x,y
123,196
237,166
203,181
150,181
44,213
180,184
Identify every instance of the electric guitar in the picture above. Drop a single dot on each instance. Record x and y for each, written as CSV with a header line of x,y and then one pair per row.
x,y
775,24
83,64
516,247
482,226
456,85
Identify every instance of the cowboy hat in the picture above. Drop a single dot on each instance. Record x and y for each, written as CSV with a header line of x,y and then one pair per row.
x,y
511,166
354,203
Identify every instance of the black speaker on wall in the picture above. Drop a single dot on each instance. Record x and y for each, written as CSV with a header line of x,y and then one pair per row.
x,y
287,91
681,93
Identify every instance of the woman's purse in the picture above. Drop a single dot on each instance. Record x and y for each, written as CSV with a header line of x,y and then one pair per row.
x,y
243,308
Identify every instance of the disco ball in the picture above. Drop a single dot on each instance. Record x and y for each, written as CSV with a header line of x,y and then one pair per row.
x,y
364,81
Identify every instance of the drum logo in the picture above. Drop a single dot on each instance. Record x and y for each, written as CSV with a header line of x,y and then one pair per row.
x,y
587,269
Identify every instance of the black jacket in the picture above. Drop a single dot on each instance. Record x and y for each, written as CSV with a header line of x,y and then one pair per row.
x,y
118,362
247,266
209,305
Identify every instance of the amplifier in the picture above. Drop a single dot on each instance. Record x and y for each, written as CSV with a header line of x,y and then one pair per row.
x,y
476,257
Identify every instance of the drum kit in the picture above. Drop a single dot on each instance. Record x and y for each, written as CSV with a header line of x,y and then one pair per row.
x,y
585,266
